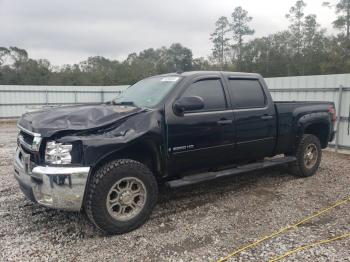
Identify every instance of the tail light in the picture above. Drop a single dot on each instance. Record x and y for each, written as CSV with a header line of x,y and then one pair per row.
x,y
331,110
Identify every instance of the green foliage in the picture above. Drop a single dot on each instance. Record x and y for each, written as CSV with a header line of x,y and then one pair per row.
x,y
343,19
303,49
95,70
221,41
4,52
295,17
239,25
240,29
342,23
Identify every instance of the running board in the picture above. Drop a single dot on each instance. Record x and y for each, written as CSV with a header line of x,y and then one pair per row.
x,y
206,176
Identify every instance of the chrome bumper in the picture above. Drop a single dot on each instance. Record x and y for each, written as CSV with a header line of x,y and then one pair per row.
x,y
55,187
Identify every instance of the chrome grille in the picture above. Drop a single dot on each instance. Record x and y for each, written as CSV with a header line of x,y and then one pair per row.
x,y
29,140
26,137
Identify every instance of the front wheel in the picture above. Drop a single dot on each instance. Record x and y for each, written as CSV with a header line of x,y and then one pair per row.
x,y
308,154
121,196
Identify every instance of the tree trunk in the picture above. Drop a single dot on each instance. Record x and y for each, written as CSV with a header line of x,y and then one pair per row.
x,y
222,49
348,21
239,67
347,42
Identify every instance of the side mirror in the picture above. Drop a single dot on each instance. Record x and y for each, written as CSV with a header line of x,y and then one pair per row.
x,y
189,103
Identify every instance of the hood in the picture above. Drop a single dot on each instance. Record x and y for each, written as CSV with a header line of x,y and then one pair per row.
x,y
75,118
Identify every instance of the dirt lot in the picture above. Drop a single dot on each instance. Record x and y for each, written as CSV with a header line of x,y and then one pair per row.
x,y
198,223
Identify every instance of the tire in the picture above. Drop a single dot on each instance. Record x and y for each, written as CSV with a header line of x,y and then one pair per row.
x,y
307,163
105,204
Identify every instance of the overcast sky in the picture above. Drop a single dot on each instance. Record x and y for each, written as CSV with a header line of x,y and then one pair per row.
x,y
69,31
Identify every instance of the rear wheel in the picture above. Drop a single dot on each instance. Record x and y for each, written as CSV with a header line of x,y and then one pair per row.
x,y
308,154
121,196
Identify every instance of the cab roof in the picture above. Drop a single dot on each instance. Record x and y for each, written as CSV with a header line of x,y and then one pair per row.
x,y
203,73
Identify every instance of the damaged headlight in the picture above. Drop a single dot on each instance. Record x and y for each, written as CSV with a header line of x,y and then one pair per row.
x,y
58,153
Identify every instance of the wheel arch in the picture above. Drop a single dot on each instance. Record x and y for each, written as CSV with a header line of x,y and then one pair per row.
x,y
317,127
151,156
145,151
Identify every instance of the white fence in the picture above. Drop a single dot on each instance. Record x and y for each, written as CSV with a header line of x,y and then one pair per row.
x,y
15,100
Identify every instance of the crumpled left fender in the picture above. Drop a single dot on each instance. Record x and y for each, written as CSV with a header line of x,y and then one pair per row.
x,y
148,125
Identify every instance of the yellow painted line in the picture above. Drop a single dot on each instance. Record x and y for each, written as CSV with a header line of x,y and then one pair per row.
x,y
285,229
324,241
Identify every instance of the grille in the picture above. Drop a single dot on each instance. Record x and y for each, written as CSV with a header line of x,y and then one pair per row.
x,y
30,144
35,157
27,138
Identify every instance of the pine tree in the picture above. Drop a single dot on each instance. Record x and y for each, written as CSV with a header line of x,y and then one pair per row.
x,y
220,40
342,9
296,19
240,28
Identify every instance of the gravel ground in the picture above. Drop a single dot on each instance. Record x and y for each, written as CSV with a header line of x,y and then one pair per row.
x,y
198,223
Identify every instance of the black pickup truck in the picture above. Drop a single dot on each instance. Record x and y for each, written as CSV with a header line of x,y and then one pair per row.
x,y
169,130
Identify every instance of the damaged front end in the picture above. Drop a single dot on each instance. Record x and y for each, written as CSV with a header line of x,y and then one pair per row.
x,y
54,159
60,187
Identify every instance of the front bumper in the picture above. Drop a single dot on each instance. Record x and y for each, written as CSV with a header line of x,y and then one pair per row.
x,y
55,187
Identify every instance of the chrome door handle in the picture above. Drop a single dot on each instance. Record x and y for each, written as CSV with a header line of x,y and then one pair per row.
x,y
266,117
225,122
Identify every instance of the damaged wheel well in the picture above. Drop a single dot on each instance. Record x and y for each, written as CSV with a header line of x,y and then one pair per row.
x,y
146,152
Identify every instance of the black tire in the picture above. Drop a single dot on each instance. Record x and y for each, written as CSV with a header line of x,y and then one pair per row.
x,y
100,186
300,167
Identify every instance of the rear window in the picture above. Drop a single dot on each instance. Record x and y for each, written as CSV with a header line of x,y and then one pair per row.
x,y
246,93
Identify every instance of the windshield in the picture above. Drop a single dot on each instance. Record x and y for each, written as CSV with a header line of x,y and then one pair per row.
x,y
147,92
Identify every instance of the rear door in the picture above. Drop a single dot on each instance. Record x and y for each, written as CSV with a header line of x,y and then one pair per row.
x,y
203,138
255,118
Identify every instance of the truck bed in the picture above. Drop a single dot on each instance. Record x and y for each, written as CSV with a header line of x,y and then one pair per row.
x,y
288,113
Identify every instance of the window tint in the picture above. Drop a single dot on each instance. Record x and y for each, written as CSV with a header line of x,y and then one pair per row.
x,y
246,93
211,91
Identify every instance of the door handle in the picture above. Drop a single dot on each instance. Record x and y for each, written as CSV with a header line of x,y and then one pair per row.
x,y
266,117
225,122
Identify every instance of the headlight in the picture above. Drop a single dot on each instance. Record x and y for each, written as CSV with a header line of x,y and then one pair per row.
x,y
58,153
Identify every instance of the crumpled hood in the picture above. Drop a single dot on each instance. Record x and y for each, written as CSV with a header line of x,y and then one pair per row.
x,y
74,118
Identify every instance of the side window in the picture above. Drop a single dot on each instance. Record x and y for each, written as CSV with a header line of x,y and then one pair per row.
x,y
246,93
211,91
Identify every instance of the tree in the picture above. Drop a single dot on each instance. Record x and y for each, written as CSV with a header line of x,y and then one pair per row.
x,y
342,23
296,17
4,52
342,9
178,57
314,46
19,56
220,40
267,55
240,29
99,69
306,42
